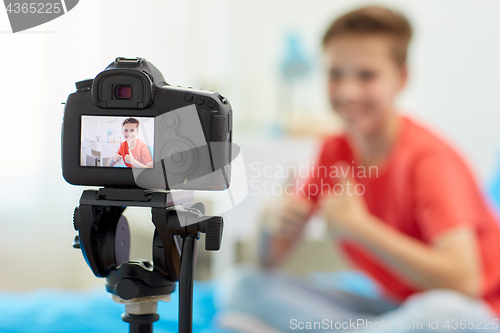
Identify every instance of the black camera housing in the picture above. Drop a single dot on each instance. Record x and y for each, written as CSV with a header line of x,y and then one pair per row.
x,y
133,87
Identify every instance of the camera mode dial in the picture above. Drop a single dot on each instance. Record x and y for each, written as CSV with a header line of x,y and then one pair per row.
x,y
84,85
76,219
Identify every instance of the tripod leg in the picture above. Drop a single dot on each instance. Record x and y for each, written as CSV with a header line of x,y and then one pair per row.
x,y
186,285
141,328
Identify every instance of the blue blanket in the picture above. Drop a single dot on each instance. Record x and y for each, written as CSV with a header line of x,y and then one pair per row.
x,y
54,311
58,311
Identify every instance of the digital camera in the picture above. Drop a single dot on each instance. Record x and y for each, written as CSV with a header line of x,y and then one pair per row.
x,y
129,128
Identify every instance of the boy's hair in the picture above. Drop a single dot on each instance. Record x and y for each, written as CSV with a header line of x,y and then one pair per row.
x,y
131,121
374,20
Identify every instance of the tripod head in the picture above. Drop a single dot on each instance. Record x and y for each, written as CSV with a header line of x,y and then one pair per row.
x,y
104,239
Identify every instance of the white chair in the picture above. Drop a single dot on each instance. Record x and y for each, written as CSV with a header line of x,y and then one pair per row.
x,y
86,158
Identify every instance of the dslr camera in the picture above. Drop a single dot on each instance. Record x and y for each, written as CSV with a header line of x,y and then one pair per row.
x,y
128,128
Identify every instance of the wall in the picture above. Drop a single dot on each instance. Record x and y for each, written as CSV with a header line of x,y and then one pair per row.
x,y
236,48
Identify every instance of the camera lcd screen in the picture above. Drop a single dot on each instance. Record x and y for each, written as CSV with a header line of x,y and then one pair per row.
x,y
125,142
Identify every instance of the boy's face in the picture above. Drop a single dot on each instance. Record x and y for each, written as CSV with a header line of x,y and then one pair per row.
x,y
363,82
130,132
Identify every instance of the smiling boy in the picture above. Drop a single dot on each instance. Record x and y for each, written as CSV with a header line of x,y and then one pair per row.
x,y
421,229
133,151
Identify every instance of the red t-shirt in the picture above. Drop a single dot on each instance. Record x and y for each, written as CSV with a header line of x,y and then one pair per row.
x,y
423,190
140,152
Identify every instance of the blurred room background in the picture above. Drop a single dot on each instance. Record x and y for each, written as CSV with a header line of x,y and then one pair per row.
x,y
265,57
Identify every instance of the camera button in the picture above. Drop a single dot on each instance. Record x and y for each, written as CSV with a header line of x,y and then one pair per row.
x,y
189,97
200,101
170,121
211,104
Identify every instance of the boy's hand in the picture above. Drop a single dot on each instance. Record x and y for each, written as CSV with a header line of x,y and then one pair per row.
x,y
345,211
129,158
116,158
285,217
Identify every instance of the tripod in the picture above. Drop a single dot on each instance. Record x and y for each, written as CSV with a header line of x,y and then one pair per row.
x,y
104,239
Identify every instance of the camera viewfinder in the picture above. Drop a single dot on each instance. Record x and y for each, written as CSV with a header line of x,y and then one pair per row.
x,y
123,92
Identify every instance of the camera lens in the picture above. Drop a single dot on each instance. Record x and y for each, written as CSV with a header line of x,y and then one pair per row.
x,y
123,92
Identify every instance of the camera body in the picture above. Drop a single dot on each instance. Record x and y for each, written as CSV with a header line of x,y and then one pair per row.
x,y
128,128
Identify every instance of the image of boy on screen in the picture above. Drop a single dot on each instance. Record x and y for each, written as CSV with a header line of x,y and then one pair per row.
x,y
133,151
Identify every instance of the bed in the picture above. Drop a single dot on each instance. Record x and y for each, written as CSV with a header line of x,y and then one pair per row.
x,y
57,311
